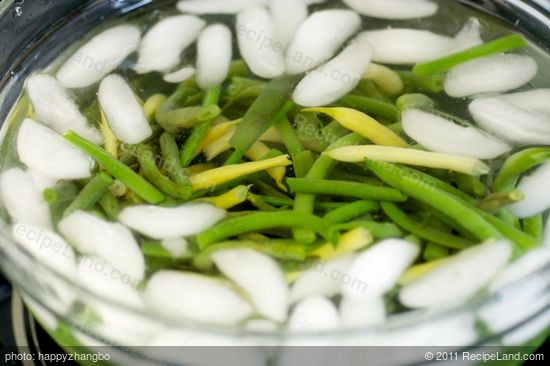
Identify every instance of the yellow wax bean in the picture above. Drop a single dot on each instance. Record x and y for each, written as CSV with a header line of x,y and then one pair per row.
x,y
109,137
257,152
224,174
151,105
362,124
385,78
349,242
229,199
355,154
415,272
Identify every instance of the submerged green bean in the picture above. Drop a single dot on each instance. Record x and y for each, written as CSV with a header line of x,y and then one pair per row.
x,y
345,188
110,205
195,140
497,201
424,231
371,106
517,164
351,211
117,169
281,249
448,204
90,194
305,202
534,226
171,161
499,45
146,159
378,230
270,107
261,221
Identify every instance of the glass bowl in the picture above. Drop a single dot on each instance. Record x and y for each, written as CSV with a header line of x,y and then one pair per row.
x,y
32,35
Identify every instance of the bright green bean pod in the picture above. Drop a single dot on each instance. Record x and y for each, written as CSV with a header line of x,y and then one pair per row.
x,y
195,140
414,83
345,188
292,142
148,165
378,230
371,106
155,249
368,88
171,162
433,252
90,194
445,63
517,164
351,211
471,185
59,197
497,201
131,179
446,203
534,226
305,202
523,240
422,230
271,106
261,221
281,249
110,205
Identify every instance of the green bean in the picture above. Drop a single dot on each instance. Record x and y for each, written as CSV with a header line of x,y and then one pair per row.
x,y
174,118
523,240
497,201
351,211
110,205
258,202
378,230
291,141
281,249
423,231
59,197
261,221
238,68
131,179
194,141
397,128
414,83
242,88
146,159
345,188
517,164
155,249
171,161
333,131
450,205
371,106
302,163
279,201
267,109
433,252
445,63
90,194
267,189
415,100
368,88
470,184
534,226
305,202
430,182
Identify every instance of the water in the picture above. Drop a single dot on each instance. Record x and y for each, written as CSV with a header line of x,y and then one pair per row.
x,y
49,58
